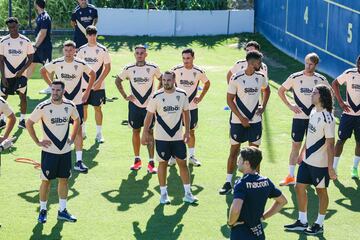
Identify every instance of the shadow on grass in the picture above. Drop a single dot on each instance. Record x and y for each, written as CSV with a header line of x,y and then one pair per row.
x,y
351,200
312,210
55,231
161,226
130,192
32,196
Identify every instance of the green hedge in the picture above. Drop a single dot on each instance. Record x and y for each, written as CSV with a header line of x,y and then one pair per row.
x,y
60,10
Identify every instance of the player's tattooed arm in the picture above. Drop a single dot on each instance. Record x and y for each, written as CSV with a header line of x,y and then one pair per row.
x,y
118,83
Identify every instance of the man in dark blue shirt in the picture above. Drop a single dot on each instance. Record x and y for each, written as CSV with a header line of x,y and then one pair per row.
x,y
250,195
42,45
83,16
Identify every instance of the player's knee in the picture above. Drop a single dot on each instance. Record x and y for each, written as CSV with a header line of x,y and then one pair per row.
x,y
97,109
136,131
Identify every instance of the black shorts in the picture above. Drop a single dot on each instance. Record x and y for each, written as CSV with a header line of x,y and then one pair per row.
x,y
55,165
299,128
43,55
244,232
240,134
348,125
307,174
167,149
136,116
16,86
96,98
193,118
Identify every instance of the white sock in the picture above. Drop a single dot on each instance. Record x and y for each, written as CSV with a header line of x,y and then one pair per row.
x,y
43,205
303,217
192,152
336,162
62,204
98,130
137,157
83,127
151,159
163,190
22,116
187,188
292,170
320,219
356,161
229,177
78,156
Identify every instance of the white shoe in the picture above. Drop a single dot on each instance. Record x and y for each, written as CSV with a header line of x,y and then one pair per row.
x,y
171,162
194,161
46,90
189,198
164,199
99,138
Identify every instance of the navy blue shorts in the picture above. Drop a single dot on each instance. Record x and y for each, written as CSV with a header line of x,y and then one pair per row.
x,y
240,134
15,85
243,232
167,149
307,174
137,116
43,55
193,118
96,98
299,128
55,165
348,125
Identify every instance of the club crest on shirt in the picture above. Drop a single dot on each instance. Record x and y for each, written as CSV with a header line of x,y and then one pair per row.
x,y
257,80
319,119
178,98
66,109
76,67
21,43
8,44
301,81
181,74
51,111
84,52
97,51
89,11
62,67
194,73
148,70
80,13
163,99
315,81
244,81
134,71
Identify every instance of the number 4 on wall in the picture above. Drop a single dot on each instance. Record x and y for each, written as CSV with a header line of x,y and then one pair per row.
x,y
349,33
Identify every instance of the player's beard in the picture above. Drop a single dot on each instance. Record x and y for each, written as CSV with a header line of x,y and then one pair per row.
x,y
168,86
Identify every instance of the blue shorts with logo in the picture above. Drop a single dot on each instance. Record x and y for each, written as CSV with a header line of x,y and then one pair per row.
x,y
240,134
136,116
348,125
55,165
299,128
167,149
307,174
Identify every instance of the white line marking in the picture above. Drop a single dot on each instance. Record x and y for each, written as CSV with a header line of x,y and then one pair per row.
x,y
342,6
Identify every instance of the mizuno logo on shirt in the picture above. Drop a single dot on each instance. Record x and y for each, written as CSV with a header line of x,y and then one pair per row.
x,y
15,52
306,90
171,108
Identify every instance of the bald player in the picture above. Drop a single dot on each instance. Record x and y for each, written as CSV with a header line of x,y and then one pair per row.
x,y
69,70
141,76
188,78
170,107
350,118
301,84
243,98
98,58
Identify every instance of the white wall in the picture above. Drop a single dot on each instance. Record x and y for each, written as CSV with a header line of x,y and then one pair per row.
x,y
138,22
